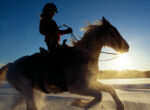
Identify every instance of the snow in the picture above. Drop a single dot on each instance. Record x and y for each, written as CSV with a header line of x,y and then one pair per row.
x,y
135,94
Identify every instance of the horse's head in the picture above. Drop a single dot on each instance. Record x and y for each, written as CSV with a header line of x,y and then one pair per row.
x,y
112,38
102,34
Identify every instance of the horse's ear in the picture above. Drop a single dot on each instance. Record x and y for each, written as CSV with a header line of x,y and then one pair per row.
x,y
104,20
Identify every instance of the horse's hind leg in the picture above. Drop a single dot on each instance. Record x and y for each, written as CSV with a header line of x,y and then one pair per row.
x,y
87,92
109,89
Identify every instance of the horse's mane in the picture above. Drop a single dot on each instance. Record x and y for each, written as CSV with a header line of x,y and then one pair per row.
x,y
89,27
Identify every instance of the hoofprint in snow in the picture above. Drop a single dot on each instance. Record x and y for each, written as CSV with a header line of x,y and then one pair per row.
x,y
135,94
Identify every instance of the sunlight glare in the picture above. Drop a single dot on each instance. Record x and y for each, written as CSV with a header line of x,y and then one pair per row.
x,y
122,62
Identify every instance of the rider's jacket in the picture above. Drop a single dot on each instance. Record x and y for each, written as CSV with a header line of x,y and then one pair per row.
x,y
49,29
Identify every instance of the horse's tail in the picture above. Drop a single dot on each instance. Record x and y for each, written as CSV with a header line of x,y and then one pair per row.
x,y
3,71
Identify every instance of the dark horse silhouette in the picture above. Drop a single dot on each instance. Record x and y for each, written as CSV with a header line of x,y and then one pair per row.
x,y
73,69
53,64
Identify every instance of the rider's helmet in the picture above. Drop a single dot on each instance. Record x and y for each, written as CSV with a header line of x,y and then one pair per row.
x,y
50,7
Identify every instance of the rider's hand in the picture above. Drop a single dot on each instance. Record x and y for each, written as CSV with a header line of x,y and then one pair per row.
x,y
69,30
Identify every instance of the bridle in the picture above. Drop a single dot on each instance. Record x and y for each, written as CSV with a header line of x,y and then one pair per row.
x,y
110,53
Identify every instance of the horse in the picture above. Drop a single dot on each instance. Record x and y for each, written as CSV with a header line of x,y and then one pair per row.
x,y
77,64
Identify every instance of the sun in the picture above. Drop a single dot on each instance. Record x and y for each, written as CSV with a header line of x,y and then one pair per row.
x,y
122,62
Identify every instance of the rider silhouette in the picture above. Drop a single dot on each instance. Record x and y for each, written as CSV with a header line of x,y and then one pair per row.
x,y
49,28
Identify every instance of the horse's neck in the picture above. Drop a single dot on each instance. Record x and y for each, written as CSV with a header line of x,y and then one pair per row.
x,y
92,57
90,47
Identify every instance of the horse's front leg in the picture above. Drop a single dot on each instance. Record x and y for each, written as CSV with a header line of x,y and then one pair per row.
x,y
109,89
18,102
86,91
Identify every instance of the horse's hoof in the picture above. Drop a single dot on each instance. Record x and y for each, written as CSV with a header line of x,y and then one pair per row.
x,y
120,107
79,103
76,102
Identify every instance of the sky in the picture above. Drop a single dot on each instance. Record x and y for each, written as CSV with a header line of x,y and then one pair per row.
x,y
19,27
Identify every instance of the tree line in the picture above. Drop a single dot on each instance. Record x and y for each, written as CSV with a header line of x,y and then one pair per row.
x,y
114,74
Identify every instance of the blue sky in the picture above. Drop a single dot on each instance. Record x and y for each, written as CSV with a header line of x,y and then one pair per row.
x,y
19,26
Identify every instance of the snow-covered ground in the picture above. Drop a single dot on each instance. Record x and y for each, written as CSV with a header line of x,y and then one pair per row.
x,y
135,94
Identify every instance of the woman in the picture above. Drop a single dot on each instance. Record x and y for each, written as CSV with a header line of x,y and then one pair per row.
x,y
49,28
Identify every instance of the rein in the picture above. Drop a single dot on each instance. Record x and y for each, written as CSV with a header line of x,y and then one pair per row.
x,y
109,53
75,38
116,56
72,35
